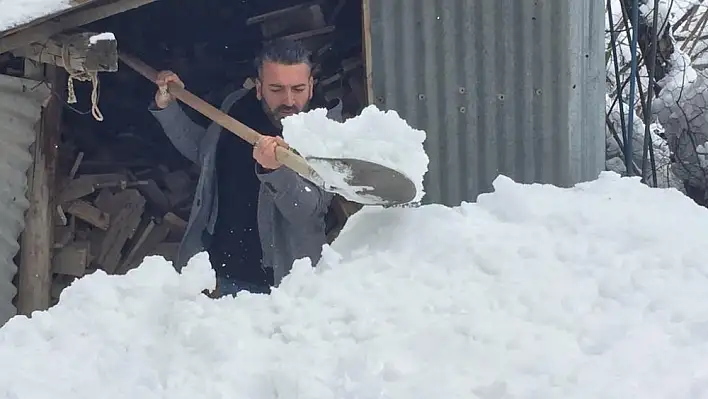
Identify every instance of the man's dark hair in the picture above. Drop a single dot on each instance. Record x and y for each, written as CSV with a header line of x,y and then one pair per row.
x,y
284,52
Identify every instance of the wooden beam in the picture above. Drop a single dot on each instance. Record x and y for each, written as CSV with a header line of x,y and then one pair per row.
x,y
85,211
72,19
301,17
35,279
73,259
367,43
309,34
284,12
85,52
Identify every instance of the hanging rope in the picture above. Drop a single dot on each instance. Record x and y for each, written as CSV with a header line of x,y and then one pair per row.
x,y
83,76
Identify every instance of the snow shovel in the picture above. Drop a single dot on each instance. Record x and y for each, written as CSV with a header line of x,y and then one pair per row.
x,y
366,182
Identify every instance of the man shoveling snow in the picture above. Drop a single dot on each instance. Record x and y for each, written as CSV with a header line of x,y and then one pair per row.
x,y
254,215
532,292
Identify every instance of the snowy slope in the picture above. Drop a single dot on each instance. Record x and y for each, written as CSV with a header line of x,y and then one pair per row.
x,y
17,12
533,292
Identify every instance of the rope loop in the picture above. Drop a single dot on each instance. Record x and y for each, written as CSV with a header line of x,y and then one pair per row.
x,y
83,76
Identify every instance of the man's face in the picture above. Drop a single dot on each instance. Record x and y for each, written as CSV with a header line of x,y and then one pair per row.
x,y
284,90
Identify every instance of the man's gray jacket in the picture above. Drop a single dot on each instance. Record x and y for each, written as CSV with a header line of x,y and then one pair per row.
x,y
291,210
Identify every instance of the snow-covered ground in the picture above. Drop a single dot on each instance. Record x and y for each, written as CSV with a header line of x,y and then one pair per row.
x,y
599,291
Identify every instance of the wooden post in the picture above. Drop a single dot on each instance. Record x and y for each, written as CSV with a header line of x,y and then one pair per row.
x,y
366,43
35,274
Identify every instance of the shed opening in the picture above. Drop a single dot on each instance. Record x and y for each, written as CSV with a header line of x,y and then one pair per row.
x,y
124,191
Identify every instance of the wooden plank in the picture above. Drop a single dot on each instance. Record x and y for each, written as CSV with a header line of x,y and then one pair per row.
x,y
82,54
75,166
88,184
104,201
175,224
61,219
150,237
80,17
347,66
128,209
366,44
308,18
89,213
310,34
35,279
156,196
139,241
73,259
284,12
63,235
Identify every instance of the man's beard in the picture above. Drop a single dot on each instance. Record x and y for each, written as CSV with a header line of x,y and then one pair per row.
x,y
277,114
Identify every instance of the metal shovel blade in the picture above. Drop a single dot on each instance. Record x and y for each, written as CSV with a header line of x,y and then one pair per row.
x,y
362,181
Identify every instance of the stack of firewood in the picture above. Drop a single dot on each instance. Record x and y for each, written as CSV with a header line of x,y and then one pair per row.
x,y
111,221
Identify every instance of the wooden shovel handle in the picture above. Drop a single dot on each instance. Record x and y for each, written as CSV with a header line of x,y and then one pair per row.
x,y
211,112
284,156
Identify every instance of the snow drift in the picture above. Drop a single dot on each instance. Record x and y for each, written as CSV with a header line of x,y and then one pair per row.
x,y
534,291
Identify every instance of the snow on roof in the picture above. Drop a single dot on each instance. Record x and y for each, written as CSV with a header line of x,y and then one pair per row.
x,y
534,291
14,13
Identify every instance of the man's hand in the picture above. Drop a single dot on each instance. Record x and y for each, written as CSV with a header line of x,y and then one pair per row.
x,y
163,98
264,151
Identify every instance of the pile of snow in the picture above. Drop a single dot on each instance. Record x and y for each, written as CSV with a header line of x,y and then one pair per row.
x,y
534,291
374,135
18,12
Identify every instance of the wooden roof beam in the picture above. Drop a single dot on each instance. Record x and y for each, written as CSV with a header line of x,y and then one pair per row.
x,y
40,32
285,12
85,52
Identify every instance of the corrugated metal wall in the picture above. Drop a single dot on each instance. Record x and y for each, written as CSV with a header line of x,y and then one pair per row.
x,y
512,87
20,110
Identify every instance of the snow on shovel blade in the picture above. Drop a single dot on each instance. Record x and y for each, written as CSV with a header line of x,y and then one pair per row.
x,y
362,181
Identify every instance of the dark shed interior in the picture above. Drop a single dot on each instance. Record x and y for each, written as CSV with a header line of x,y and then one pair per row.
x,y
126,192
